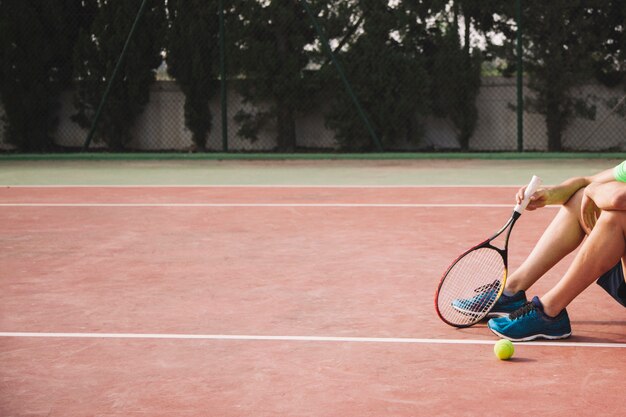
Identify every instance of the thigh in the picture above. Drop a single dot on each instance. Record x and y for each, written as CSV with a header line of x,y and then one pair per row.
x,y
573,206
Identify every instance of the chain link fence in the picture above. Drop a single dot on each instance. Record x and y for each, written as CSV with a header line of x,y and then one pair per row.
x,y
311,76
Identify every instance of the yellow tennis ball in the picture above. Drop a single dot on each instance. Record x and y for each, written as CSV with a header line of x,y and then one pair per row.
x,y
503,349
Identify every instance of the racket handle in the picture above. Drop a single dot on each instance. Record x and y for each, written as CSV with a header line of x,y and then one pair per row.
x,y
532,186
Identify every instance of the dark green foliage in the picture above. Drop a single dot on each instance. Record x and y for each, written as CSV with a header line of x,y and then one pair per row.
x,y
404,59
97,53
193,59
610,60
563,49
388,77
36,43
455,75
455,86
270,57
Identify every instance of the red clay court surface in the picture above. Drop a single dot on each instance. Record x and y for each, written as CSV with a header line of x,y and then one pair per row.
x,y
275,301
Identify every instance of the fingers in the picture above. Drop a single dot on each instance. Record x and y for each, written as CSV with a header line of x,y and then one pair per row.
x,y
585,220
537,200
589,214
588,221
584,214
520,195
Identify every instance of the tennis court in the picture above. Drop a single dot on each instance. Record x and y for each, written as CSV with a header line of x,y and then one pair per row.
x,y
285,288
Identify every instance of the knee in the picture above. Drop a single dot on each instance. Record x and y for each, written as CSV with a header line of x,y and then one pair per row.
x,y
575,201
571,208
613,218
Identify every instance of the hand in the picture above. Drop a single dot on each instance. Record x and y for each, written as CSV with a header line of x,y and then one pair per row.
x,y
589,213
537,200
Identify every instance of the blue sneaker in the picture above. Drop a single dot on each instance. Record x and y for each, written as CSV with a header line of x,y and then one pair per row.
x,y
530,322
486,294
507,304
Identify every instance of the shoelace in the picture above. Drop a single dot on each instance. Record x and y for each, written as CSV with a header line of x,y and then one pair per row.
x,y
522,311
487,287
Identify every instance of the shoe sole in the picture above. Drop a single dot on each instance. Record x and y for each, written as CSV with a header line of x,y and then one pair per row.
x,y
490,315
533,337
467,312
496,314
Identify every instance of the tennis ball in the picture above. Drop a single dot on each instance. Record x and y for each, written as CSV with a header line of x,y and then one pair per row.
x,y
503,349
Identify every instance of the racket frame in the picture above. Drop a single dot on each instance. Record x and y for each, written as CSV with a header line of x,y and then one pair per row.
x,y
508,227
519,208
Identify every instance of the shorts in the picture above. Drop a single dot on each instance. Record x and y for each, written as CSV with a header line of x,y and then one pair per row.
x,y
613,282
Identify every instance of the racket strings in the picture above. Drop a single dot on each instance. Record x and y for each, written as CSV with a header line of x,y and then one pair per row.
x,y
487,287
471,286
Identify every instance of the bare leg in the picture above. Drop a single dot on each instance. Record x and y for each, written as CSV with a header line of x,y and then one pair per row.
x,y
601,251
561,237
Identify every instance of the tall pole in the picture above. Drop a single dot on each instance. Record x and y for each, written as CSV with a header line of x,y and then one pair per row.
x,y
223,91
105,97
520,79
348,87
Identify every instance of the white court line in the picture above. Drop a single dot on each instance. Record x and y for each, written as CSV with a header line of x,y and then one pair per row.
x,y
259,186
224,337
256,205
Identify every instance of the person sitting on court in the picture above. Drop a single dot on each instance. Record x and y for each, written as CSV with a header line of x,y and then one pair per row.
x,y
592,207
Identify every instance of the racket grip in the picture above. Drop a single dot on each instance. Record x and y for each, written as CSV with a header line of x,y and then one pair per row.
x,y
532,186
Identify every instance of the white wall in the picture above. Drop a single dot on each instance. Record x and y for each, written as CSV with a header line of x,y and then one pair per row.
x,y
162,127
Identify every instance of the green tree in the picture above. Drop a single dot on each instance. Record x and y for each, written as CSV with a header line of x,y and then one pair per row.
x,y
385,67
270,58
610,59
36,43
455,74
561,42
96,55
193,58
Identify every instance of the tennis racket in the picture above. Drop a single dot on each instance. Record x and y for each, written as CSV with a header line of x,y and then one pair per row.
x,y
473,283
